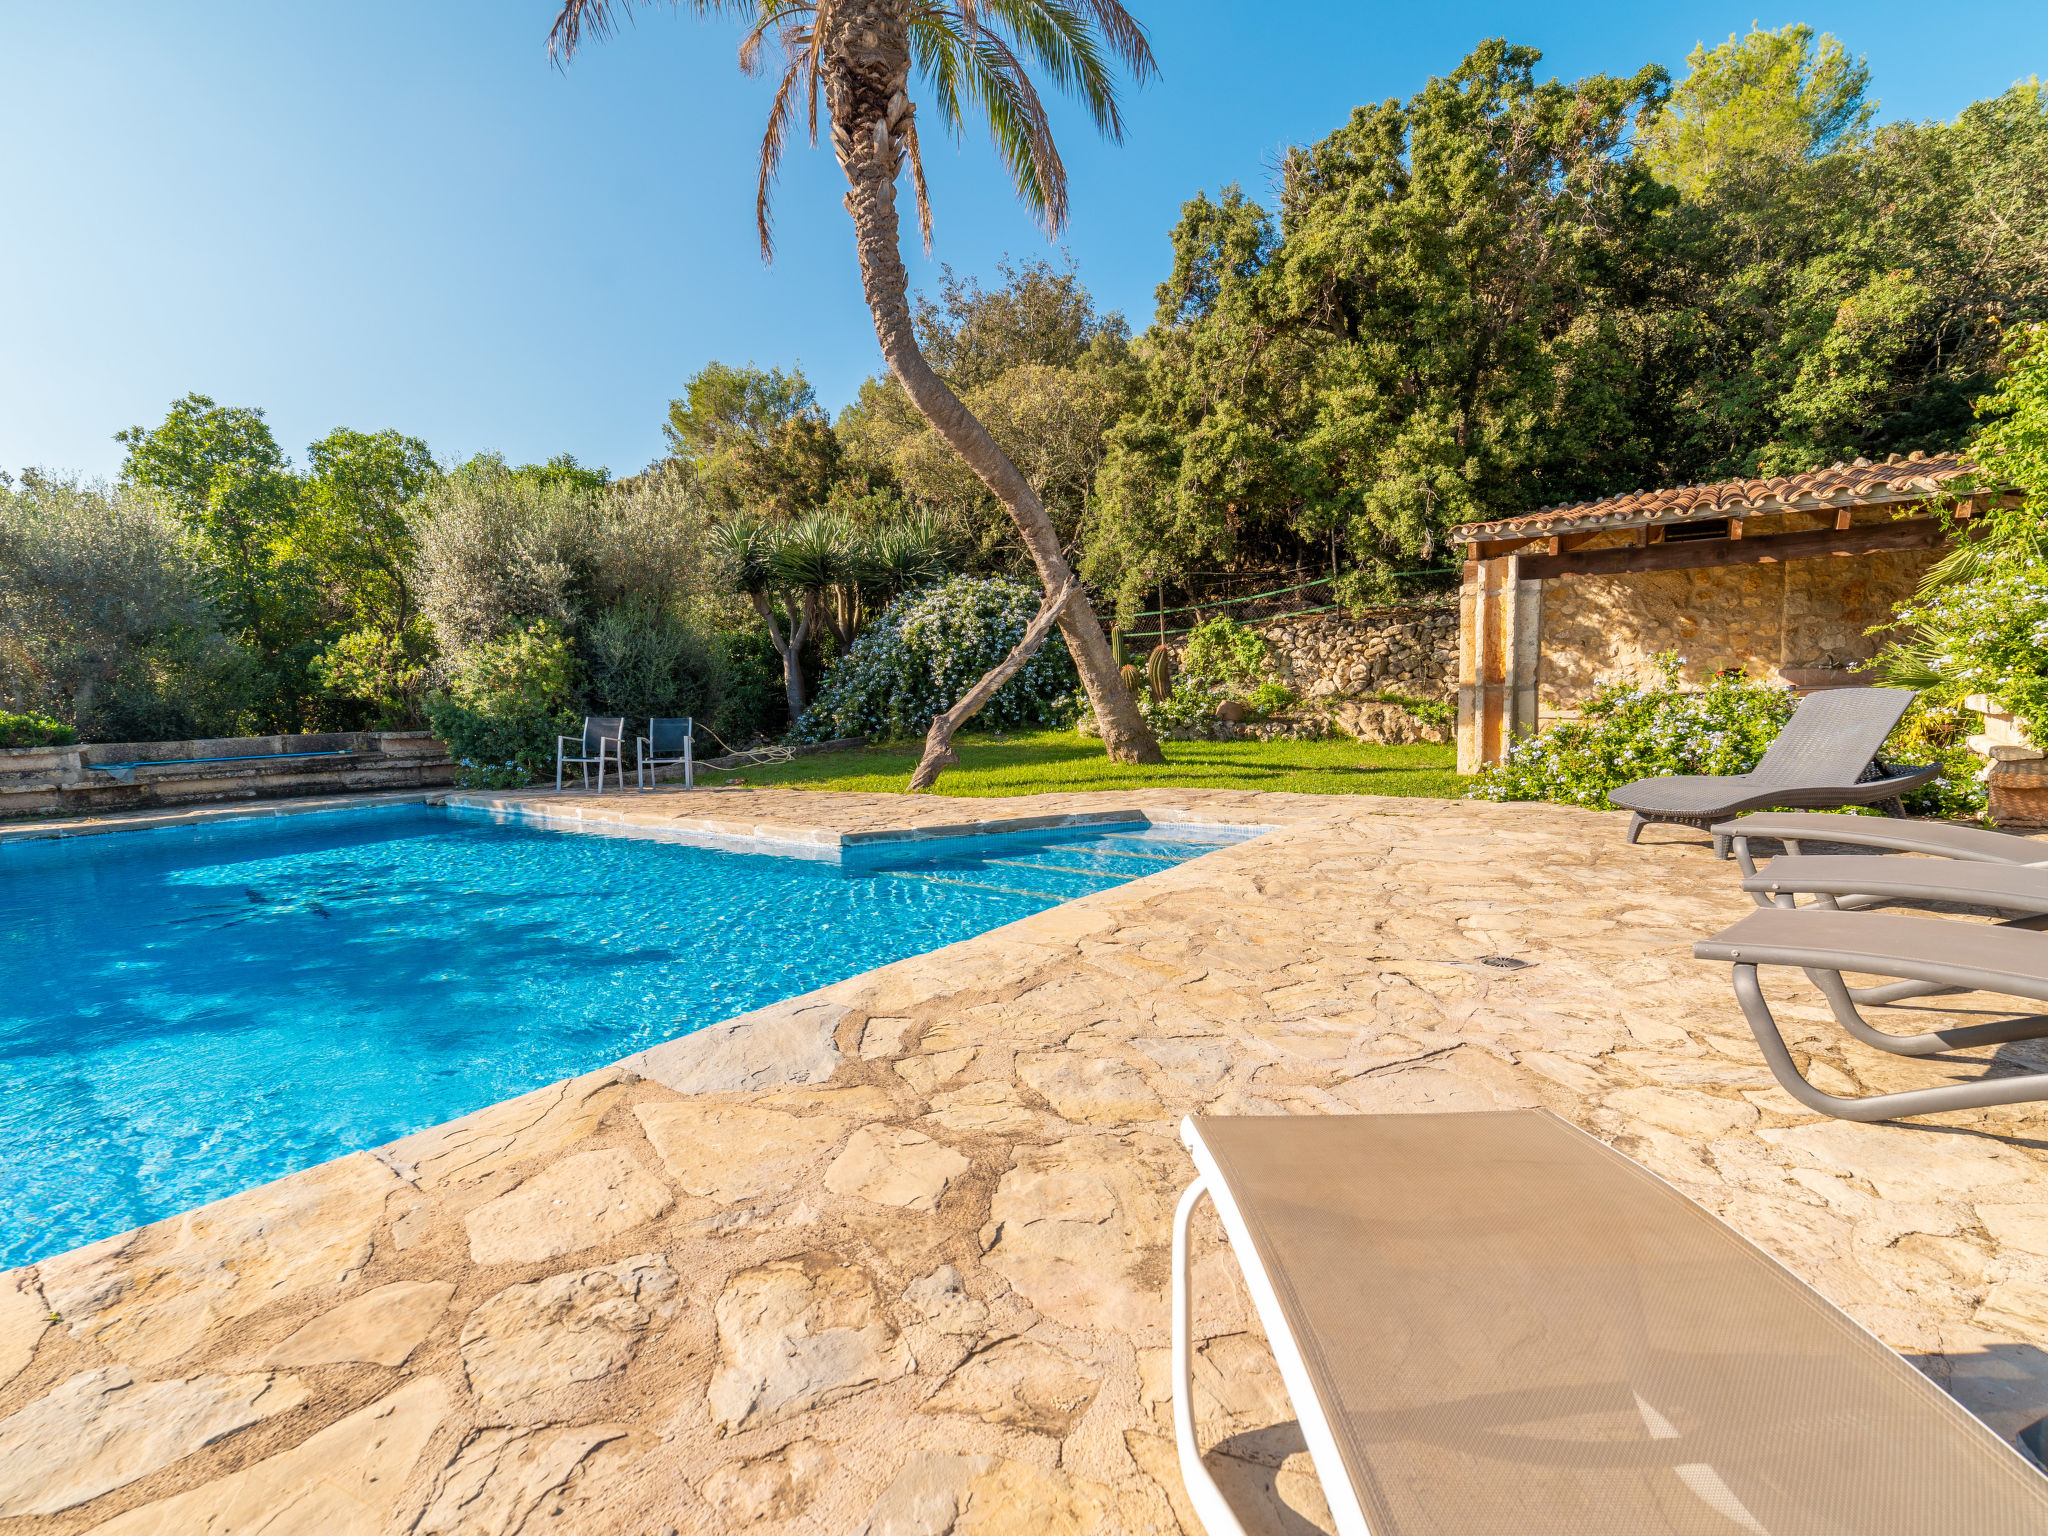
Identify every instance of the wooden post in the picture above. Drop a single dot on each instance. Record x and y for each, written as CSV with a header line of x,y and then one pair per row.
x,y
1500,642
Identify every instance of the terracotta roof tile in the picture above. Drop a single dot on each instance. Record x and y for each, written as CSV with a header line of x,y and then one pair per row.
x,y
1909,478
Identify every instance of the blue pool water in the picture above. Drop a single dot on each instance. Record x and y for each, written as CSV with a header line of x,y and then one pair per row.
x,y
188,1013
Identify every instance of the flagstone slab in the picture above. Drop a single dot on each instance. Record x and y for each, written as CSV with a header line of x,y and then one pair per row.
x,y
103,1429
343,1481
379,1327
578,1202
734,1152
893,1165
540,1337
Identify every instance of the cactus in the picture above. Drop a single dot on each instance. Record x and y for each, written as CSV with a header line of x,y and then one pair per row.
x,y
1117,653
1159,673
1133,678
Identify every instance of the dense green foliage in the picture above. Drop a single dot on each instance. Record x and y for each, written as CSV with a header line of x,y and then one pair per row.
x,y
926,650
34,731
1979,625
1506,293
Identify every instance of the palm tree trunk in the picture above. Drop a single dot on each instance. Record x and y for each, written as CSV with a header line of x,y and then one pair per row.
x,y
867,76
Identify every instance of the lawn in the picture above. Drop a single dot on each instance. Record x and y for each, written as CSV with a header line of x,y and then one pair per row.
x,y
1030,763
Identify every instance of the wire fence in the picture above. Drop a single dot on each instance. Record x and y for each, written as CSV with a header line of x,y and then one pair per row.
x,y
1219,605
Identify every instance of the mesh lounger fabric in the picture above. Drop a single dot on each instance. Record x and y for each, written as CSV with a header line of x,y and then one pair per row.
x,y
1933,837
1984,957
2008,887
1517,1332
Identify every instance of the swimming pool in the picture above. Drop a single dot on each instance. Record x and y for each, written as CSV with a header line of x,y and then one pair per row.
x,y
190,1012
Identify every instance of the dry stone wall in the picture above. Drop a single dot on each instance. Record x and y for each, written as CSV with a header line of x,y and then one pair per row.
x,y
1412,650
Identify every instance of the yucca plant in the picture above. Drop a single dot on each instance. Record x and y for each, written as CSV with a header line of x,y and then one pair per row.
x,y
752,558
858,56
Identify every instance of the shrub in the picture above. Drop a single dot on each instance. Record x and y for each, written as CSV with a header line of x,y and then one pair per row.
x,y
1643,729
1226,655
1269,699
506,702
1436,712
927,649
106,625
33,730
390,673
1639,730
1985,634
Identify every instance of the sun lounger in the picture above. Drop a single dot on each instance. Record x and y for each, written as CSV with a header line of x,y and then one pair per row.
x,y
1826,756
1493,1325
1940,839
1848,882
1948,955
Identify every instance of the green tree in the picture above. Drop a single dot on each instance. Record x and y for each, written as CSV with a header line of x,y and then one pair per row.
x,y
1442,325
355,530
754,437
970,55
1784,96
1039,367
220,469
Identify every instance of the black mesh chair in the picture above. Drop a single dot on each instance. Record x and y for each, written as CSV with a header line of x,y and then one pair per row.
x,y
667,742
601,733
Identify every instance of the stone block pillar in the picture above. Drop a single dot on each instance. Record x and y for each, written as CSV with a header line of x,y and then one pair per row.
x,y
1500,647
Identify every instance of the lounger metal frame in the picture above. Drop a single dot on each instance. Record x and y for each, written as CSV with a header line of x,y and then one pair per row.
x,y
1210,1504
1746,957
595,733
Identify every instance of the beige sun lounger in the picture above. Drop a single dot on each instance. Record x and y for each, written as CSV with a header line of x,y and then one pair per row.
x,y
1493,1325
1940,839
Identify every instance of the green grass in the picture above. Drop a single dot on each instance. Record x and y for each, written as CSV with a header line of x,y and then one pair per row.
x,y
1042,762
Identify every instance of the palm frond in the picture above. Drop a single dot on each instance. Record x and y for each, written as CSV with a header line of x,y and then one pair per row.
x,y
773,141
924,196
599,19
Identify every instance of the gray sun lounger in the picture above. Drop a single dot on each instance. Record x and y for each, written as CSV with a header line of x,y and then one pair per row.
x,y
1493,1325
1942,954
1825,757
1939,839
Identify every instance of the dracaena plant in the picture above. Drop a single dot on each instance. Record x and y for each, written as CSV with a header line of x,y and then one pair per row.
x,y
851,67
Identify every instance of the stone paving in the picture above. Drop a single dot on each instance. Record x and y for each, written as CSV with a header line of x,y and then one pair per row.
x,y
892,1257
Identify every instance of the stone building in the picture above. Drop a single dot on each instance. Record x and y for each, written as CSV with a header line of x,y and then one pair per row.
x,y
1782,578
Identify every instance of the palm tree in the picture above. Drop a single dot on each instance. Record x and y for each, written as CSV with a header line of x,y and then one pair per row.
x,y
971,54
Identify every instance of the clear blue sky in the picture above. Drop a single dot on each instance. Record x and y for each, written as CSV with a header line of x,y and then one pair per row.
x,y
395,213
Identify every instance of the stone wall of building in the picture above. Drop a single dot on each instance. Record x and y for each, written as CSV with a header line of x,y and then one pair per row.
x,y
1794,616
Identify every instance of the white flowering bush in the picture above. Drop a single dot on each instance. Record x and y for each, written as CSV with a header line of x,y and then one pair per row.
x,y
1987,634
1648,727
1640,729
927,649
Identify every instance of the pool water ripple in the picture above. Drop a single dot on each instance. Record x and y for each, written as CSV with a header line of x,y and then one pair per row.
x,y
188,1013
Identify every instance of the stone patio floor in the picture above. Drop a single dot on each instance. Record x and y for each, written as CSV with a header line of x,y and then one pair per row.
x,y
892,1257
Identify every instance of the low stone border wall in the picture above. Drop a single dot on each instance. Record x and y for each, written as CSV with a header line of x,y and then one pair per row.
x,y
107,776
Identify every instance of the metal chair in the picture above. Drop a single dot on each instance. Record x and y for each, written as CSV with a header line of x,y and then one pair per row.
x,y
668,741
599,732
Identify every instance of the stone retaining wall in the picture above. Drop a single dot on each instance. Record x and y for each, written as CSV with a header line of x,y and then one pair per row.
x,y
128,775
1412,650
1338,663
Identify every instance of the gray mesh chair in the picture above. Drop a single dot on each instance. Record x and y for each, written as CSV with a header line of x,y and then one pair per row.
x,y
1825,758
1493,1325
668,741
601,734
